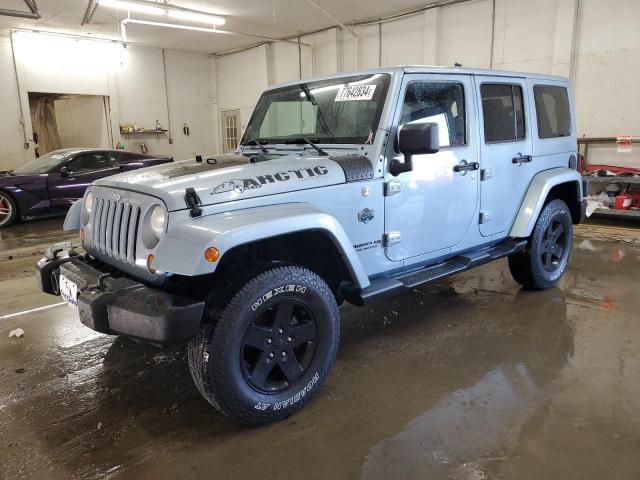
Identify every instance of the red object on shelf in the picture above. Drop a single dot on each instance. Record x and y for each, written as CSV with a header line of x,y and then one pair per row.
x,y
623,202
635,193
613,169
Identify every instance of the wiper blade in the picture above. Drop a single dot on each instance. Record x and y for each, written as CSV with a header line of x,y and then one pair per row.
x,y
312,99
256,141
309,142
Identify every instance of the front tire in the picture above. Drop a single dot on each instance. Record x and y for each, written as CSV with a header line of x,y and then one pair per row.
x,y
267,353
544,261
8,210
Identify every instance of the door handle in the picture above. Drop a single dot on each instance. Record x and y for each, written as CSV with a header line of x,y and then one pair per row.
x,y
520,159
464,167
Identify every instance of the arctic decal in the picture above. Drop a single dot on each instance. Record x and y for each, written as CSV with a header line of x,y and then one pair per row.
x,y
366,215
239,185
348,93
361,247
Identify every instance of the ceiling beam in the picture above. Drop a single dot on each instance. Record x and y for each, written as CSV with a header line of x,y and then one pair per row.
x,y
90,11
32,5
16,13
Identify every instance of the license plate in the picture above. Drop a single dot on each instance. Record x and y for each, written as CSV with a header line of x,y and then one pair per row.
x,y
68,291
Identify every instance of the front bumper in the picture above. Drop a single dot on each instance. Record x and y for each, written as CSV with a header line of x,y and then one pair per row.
x,y
113,304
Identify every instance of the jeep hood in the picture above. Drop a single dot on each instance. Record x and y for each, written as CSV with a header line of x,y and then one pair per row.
x,y
226,178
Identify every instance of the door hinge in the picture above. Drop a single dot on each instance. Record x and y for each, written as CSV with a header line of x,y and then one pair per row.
x,y
485,217
391,238
486,174
392,187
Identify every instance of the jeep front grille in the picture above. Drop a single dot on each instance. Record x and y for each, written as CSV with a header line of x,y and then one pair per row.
x,y
114,229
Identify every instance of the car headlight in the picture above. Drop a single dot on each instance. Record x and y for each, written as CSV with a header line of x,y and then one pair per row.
x,y
157,220
87,206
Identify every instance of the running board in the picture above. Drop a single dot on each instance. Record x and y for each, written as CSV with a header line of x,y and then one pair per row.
x,y
385,287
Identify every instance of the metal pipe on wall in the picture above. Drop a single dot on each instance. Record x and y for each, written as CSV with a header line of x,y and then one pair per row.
x,y
575,39
199,29
493,32
166,95
15,70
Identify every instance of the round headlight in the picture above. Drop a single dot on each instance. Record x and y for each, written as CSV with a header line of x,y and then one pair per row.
x,y
157,221
88,202
88,205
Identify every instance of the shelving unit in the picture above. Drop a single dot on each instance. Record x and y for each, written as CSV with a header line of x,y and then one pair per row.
x,y
143,132
583,148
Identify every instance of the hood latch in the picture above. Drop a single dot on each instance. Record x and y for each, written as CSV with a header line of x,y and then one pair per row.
x,y
193,201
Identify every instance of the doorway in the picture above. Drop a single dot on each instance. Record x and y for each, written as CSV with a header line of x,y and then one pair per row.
x,y
69,121
230,122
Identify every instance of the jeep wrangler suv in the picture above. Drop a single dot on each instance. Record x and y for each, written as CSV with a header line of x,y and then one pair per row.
x,y
347,187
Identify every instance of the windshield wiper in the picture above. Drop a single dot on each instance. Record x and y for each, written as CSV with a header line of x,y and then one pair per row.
x,y
309,142
314,102
256,141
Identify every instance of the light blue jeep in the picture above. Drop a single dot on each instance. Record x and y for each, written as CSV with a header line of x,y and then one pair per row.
x,y
345,187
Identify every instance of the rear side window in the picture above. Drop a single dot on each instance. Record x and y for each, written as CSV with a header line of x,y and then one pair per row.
x,y
441,103
552,111
503,112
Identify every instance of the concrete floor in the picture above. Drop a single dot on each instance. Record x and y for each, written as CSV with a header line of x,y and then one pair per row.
x,y
469,379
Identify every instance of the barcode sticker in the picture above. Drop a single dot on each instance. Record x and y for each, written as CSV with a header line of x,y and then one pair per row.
x,y
347,93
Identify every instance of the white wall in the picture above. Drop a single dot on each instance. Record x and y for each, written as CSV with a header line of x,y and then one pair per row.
x,y
528,36
531,36
82,121
240,78
132,78
12,151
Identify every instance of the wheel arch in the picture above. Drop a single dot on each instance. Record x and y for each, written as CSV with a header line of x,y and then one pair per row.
x,y
561,183
15,201
326,258
295,233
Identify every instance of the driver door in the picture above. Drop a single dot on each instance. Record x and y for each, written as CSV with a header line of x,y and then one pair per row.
x,y
431,209
83,169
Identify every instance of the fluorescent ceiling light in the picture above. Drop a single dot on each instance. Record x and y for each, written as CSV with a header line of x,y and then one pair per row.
x,y
196,17
132,7
176,13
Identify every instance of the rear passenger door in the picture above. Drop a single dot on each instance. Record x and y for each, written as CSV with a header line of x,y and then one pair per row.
x,y
506,159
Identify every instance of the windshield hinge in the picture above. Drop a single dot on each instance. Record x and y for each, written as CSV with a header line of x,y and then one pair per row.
x,y
193,201
392,187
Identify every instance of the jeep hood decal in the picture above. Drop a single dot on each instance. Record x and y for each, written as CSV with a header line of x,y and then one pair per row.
x,y
229,177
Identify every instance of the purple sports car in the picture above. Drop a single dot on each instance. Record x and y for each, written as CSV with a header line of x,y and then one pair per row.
x,y
50,184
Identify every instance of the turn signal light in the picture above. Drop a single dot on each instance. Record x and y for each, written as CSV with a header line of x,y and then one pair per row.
x,y
211,254
149,262
82,235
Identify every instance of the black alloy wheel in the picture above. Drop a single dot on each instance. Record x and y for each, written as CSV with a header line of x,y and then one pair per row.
x,y
279,346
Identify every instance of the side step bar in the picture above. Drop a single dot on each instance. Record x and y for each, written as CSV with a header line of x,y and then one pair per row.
x,y
385,287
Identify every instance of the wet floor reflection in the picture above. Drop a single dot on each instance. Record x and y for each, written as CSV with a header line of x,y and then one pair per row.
x,y
473,378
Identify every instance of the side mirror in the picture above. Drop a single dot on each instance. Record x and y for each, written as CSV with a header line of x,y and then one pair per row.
x,y
64,172
415,139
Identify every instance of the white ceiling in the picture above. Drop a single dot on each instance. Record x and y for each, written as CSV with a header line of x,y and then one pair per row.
x,y
243,16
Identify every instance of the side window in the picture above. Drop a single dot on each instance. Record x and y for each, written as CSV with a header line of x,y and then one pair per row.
x,y
552,111
90,161
503,112
441,103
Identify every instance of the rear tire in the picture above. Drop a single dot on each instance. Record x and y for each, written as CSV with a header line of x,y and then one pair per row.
x,y
269,350
544,261
8,210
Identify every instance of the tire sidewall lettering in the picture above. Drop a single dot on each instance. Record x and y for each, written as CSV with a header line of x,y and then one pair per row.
x,y
290,288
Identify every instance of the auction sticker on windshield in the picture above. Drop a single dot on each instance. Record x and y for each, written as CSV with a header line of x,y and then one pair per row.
x,y
69,291
348,93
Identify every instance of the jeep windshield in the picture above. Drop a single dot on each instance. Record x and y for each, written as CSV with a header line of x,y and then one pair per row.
x,y
339,110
